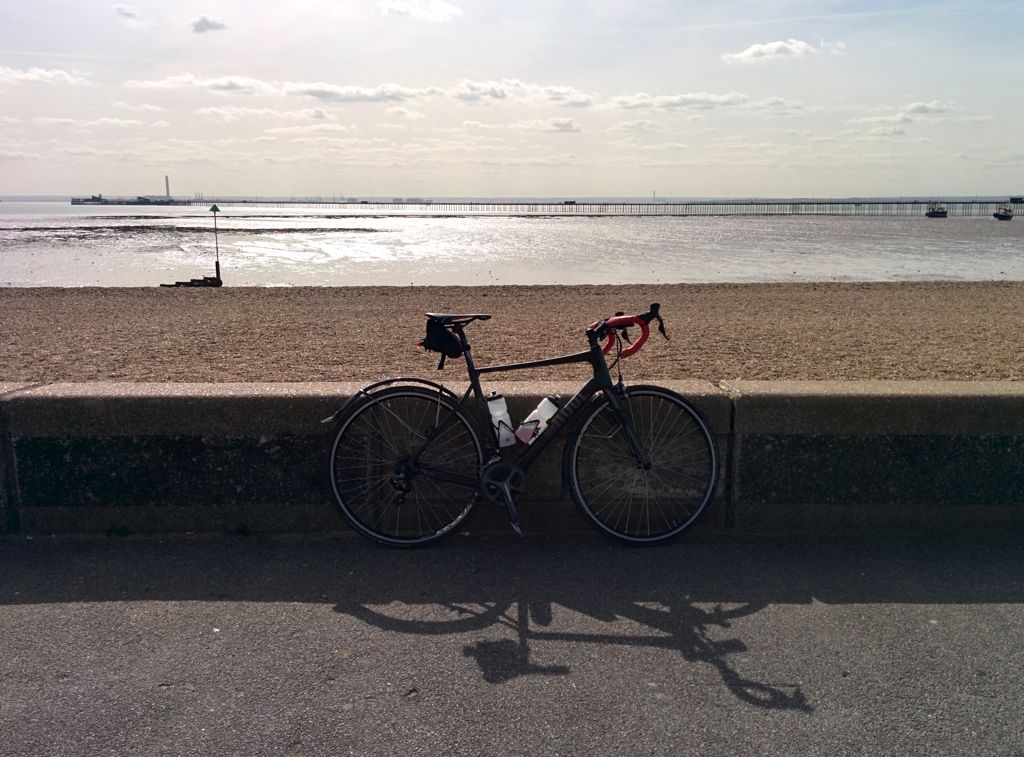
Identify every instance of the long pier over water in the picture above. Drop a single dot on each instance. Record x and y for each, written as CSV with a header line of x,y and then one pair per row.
x,y
752,207
687,208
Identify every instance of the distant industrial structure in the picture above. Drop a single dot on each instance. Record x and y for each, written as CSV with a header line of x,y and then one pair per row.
x,y
139,200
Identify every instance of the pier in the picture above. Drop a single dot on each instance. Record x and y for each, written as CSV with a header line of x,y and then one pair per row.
x,y
734,207
753,207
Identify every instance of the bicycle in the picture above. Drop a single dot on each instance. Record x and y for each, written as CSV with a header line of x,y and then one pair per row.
x,y
409,464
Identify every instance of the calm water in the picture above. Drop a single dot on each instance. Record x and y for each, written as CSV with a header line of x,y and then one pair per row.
x,y
55,244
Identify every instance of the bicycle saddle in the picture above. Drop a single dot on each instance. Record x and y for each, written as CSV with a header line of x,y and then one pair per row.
x,y
449,318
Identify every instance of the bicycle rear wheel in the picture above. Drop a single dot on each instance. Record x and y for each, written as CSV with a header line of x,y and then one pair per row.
x,y
617,494
405,465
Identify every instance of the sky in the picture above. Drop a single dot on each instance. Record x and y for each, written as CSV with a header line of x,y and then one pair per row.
x,y
543,98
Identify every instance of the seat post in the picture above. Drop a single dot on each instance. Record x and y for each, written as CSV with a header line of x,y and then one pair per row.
x,y
466,348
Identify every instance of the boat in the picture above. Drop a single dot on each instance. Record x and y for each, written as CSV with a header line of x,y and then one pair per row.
x,y
936,210
1004,212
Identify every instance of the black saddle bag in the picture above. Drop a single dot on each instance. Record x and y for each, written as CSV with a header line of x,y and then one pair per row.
x,y
440,339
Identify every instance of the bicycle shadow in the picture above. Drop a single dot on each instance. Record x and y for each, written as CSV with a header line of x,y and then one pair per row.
x,y
686,627
630,598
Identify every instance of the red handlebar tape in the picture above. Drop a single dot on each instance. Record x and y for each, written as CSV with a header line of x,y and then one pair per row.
x,y
625,320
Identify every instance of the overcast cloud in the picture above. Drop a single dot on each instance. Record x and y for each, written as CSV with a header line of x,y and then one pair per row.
x,y
445,97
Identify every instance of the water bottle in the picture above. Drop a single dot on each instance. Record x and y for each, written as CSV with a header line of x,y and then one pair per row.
x,y
501,420
537,421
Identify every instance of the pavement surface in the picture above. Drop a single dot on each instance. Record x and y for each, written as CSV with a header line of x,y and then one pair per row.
x,y
726,645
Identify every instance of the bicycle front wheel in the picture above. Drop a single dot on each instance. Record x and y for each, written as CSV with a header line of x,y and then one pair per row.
x,y
405,465
625,499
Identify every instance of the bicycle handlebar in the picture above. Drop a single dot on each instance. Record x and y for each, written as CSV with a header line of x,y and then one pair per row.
x,y
607,328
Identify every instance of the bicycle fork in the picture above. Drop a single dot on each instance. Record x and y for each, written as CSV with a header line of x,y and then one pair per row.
x,y
641,454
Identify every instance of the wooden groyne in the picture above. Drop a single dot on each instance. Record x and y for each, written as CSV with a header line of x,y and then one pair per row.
x,y
814,207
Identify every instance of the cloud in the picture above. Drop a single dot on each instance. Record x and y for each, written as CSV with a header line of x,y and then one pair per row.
x,y
405,113
124,11
11,157
205,24
480,125
464,91
550,161
667,146
935,106
896,118
791,48
82,151
223,84
567,96
139,108
312,129
640,125
779,106
917,112
696,100
479,92
434,11
550,126
352,94
39,76
52,121
118,122
886,131
232,113
77,123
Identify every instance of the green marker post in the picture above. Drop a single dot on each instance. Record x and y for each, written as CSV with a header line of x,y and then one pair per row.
x,y
216,244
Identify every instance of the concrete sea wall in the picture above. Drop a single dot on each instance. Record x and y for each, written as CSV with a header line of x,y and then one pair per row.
x,y
812,456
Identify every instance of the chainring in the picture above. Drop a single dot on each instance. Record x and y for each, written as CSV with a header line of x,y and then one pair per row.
x,y
497,475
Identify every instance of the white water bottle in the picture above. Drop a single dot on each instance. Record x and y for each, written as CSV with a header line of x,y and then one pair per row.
x,y
537,421
501,420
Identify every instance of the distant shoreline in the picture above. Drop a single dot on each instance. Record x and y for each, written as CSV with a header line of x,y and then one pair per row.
x,y
530,199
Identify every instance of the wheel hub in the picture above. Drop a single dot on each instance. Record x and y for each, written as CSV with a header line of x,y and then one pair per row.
x,y
400,478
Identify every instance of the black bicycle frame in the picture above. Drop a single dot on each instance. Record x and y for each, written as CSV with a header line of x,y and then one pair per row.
x,y
601,381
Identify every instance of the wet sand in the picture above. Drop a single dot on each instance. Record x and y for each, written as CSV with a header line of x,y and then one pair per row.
x,y
946,331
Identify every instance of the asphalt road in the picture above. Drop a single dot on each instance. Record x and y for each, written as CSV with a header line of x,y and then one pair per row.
x,y
717,644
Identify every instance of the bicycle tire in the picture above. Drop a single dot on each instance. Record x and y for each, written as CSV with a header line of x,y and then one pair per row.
x,y
375,438
617,495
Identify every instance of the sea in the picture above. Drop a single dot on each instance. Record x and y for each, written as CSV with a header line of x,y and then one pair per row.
x,y
55,244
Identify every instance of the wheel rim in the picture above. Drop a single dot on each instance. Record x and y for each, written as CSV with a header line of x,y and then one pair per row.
x,y
376,490
622,497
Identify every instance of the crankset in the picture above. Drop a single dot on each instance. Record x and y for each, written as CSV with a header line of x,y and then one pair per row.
x,y
502,483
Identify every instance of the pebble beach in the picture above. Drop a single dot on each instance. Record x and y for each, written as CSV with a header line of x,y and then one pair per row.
x,y
833,331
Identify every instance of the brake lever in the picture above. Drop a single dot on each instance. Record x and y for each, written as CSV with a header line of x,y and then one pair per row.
x,y
661,326
624,330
